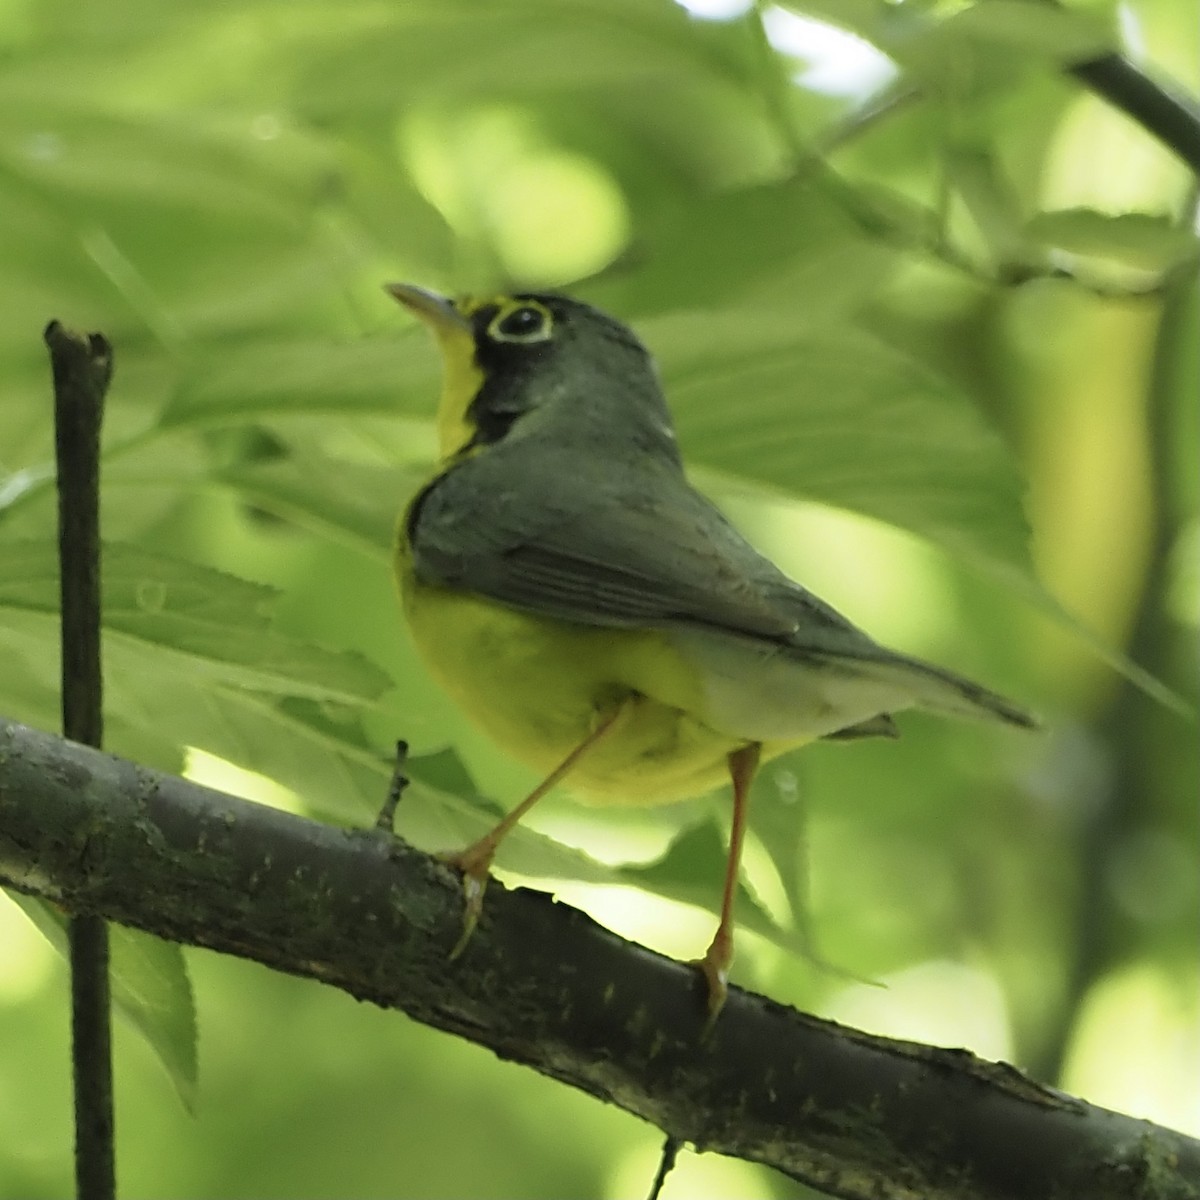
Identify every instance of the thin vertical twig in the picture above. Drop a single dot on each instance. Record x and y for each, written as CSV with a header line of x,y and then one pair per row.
x,y
82,369
387,813
666,1164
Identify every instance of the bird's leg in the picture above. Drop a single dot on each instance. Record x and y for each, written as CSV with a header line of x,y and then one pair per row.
x,y
476,860
715,964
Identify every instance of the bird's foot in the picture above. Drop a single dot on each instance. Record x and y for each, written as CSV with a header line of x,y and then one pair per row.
x,y
474,863
714,966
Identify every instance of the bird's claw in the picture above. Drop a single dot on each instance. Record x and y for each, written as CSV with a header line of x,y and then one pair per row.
x,y
474,870
715,969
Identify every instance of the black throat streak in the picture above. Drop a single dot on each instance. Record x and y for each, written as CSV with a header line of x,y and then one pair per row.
x,y
507,393
491,422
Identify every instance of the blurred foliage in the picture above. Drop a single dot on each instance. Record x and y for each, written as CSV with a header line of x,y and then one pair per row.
x,y
927,314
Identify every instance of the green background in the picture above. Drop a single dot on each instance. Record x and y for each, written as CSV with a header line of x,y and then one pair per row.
x,y
928,323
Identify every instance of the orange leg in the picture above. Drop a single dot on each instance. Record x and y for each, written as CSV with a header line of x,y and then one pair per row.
x,y
717,959
476,860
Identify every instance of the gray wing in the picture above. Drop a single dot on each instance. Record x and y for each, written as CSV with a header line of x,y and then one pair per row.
x,y
648,553
644,551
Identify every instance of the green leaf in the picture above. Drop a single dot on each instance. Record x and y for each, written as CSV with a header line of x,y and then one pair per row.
x,y
841,418
303,376
992,201
317,750
1045,31
509,47
190,660
692,872
778,818
162,615
150,989
809,256
444,770
352,502
1142,242
985,44
90,157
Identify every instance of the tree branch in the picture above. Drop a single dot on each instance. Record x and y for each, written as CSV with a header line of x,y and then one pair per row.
x,y
851,1114
1168,113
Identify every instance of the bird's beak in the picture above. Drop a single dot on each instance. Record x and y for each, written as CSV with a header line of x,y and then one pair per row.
x,y
438,312
461,377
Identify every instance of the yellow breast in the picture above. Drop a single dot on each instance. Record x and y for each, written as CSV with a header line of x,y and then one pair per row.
x,y
538,687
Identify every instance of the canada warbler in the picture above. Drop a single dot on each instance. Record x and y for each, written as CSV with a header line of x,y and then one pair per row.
x,y
592,611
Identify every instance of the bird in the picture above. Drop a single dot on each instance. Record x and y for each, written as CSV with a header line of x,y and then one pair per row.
x,y
598,616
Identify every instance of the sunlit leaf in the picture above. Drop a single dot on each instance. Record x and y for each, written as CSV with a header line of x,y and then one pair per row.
x,y
1140,241
692,872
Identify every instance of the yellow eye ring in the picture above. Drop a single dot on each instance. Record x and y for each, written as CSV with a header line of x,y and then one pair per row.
x,y
523,323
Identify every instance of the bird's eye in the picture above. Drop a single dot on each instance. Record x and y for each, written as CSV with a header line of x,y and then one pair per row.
x,y
528,323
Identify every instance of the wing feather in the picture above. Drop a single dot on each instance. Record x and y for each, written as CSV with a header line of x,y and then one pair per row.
x,y
653,554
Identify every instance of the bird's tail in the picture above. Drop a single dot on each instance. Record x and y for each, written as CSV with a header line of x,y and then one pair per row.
x,y
943,691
